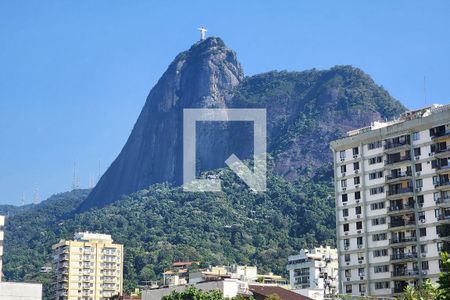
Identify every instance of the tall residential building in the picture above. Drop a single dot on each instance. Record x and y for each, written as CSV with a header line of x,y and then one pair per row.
x,y
314,273
88,268
2,234
392,200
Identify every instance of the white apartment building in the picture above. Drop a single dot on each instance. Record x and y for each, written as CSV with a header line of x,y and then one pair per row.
x,y
314,273
392,198
88,268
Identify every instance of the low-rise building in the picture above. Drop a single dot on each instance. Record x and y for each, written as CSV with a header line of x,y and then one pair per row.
x,y
314,273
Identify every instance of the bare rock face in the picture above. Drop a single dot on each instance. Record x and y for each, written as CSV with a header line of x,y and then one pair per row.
x,y
202,77
305,111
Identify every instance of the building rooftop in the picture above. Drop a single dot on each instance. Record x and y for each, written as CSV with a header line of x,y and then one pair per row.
x,y
92,237
407,116
263,291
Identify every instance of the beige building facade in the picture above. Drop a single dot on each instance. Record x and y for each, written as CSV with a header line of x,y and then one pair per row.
x,y
90,267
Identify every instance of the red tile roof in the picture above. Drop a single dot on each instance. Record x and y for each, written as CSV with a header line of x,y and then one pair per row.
x,y
284,294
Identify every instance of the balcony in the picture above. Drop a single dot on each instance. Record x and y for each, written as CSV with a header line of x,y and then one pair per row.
x,y
404,256
400,208
399,191
443,168
402,240
398,160
405,273
402,223
392,145
398,176
443,218
441,152
441,184
443,200
441,134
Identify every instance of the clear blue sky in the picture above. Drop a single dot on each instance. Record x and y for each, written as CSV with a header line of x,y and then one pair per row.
x,y
75,74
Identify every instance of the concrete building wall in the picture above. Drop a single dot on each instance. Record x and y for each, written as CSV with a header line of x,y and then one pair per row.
x,y
20,291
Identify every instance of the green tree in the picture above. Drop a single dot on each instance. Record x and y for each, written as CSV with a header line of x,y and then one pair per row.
x,y
444,278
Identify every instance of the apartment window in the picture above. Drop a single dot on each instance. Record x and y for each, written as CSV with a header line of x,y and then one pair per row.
x,y
374,145
344,197
360,256
346,227
358,210
375,160
343,168
420,200
377,190
379,237
416,136
361,272
347,257
423,249
418,167
359,241
377,205
348,288
376,175
439,246
362,288
378,221
357,195
358,225
381,269
356,180
346,242
423,232
417,151
419,183
379,253
425,265
342,154
344,183
345,212
348,273
356,166
355,151
381,285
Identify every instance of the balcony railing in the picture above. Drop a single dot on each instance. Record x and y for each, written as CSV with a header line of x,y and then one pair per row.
x,y
400,191
441,134
441,183
398,175
394,161
442,150
391,145
442,200
401,223
443,217
398,273
399,256
402,240
400,207
442,168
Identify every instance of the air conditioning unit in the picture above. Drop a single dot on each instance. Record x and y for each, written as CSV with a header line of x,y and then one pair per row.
x,y
424,254
346,233
347,263
344,203
361,277
343,174
431,154
417,157
356,171
359,231
342,159
357,200
358,216
344,189
360,246
360,261
348,278
422,220
417,173
345,219
345,247
355,156
357,186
